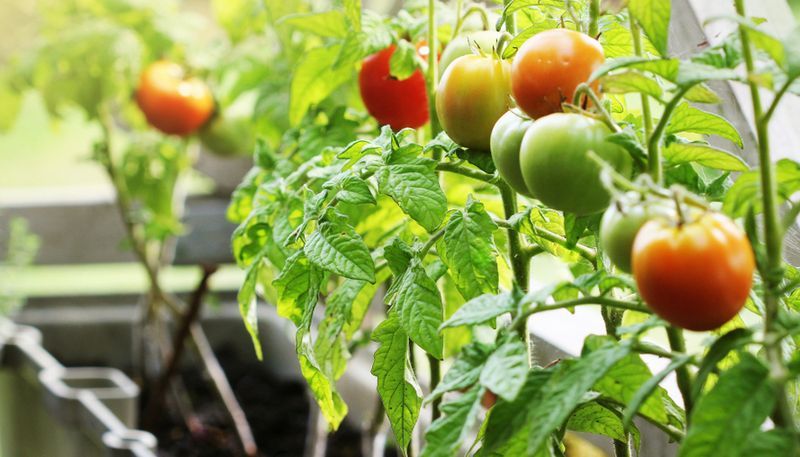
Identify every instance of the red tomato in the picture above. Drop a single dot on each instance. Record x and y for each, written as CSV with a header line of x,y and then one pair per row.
x,y
393,102
697,275
549,67
171,103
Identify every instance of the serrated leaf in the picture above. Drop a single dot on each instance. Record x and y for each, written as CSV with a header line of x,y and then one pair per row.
x,y
350,189
746,191
397,386
597,419
314,79
506,369
631,81
447,433
724,419
705,155
466,369
322,388
415,188
482,309
687,118
702,94
298,287
248,305
468,249
653,16
770,443
335,246
419,306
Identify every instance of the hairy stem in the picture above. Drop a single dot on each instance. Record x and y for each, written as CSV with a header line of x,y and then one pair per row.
x,y
638,49
782,416
511,22
594,15
678,344
433,69
654,141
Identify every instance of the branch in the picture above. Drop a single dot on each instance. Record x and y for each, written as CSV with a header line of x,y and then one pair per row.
x,y
584,251
468,172
601,301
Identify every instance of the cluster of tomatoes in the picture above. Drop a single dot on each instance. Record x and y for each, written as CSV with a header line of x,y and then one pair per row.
x,y
694,268
179,105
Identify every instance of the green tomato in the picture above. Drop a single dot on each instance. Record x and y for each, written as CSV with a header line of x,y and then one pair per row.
x,y
505,144
229,136
472,95
622,221
556,167
461,46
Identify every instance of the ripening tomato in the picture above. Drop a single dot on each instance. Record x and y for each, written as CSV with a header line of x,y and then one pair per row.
x,y
695,275
556,167
397,103
506,140
549,67
472,95
170,102
622,221
462,45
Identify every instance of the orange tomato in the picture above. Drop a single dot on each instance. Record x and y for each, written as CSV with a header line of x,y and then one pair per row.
x,y
549,67
171,103
697,275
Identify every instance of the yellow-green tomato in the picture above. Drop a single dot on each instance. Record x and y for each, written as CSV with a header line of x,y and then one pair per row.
x,y
461,45
505,144
622,221
556,167
229,135
472,95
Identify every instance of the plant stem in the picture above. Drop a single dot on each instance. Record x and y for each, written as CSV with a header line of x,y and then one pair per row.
x,y
782,416
585,89
602,301
647,115
584,251
684,378
433,70
468,172
511,22
654,142
594,15
516,253
436,377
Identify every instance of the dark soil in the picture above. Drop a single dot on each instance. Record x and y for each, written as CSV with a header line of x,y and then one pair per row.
x,y
276,409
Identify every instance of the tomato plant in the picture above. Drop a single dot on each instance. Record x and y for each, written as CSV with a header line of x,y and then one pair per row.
x,y
468,43
410,245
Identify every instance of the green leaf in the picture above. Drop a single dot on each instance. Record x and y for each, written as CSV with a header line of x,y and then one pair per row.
x,y
645,392
631,81
397,386
403,62
653,16
726,343
326,24
10,103
770,443
482,309
702,94
447,433
335,246
322,388
415,187
248,305
687,118
563,392
418,304
746,191
466,369
506,369
298,286
704,154
535,221
597,419
725,418
314,80
352,9
398,256
351,189
468,250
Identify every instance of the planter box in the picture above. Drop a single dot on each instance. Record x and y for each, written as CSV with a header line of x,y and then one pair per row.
x,y
103,336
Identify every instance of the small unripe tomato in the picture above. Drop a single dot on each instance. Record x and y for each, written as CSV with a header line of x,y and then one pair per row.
x,y
485,40
622,221
472,95
399,103
556,167
170,103
695,275
505,144
548,68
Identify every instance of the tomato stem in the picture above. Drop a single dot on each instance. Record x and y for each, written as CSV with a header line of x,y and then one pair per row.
x,y
647,115
474,9
511,22
594,15
586,90
677,344
771,273
433,71
654,142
